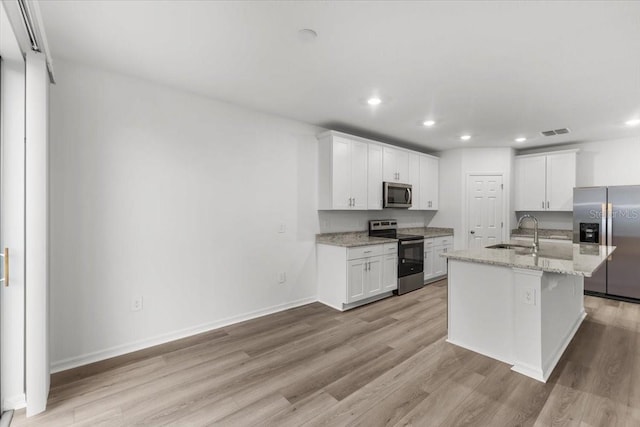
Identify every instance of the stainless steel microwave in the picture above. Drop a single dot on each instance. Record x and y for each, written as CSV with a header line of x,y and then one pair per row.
x,y
396,195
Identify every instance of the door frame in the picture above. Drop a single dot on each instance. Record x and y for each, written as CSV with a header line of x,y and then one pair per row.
x,y
465,203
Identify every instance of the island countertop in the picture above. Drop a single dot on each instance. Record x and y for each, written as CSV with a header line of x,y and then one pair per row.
x,y
575,259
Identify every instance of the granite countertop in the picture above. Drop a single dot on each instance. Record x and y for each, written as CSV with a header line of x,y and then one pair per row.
x,y
351,239
574,259
427,231
543,233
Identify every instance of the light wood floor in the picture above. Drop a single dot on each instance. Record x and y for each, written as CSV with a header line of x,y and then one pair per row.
x,y
383,364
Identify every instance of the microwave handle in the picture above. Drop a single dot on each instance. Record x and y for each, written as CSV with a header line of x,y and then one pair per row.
x,y
408,195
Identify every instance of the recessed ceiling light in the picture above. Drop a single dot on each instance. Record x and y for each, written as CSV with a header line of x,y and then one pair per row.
x,y
374,100
633,122
428,123
521,139
465,137
307,34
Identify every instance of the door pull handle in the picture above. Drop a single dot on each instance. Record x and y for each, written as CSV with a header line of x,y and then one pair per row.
x,y
5,274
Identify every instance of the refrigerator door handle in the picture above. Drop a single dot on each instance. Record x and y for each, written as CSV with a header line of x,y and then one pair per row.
x,y
609,224
604,229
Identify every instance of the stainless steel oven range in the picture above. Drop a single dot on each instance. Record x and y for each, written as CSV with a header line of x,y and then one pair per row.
x,y
410,254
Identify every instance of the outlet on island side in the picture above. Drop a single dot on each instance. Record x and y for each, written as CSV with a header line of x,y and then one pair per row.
x,y
282,277
136,304
529,296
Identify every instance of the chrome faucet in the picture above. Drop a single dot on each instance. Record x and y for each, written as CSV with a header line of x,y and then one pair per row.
x,y
536,241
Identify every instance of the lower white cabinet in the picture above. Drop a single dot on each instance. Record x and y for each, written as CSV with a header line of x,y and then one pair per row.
x,y
435,266
347,276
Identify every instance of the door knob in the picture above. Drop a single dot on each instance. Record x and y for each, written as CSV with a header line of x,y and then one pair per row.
x,y
472,232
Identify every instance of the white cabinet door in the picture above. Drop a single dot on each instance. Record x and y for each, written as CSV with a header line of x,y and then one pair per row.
x,y
428,262
356,285
390,273
341,189
402,166
439,263
373,280
374,186
414,180
530,186
429,181
359,178
561,178
389,169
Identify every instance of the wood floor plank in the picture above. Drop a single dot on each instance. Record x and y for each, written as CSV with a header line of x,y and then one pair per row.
x,y
386,363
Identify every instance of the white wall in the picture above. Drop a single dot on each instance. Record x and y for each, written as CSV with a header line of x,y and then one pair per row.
x,y
339,221
178,199
455,165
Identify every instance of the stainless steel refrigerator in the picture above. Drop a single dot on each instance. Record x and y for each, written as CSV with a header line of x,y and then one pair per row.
x,y
611,216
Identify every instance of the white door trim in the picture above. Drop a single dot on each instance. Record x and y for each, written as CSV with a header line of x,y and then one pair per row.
x,y
465,216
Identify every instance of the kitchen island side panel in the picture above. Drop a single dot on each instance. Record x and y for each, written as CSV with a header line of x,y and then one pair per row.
x,y
480,309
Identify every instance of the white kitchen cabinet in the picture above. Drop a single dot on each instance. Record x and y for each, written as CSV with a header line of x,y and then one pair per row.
x,y
374,199
428,259
429,181
435,266
390,268
395,165
343,173
348,277
414,180
545,182
561,179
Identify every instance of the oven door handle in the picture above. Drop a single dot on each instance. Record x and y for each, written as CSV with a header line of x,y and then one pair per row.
x,y
411,242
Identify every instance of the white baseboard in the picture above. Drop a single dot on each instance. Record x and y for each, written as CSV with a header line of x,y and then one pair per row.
x,y
96,356
549,366
14,402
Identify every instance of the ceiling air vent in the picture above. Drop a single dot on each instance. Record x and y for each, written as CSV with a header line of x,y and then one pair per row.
x,y
555,132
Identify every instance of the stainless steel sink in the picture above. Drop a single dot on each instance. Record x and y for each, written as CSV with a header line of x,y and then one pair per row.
x,y
509,246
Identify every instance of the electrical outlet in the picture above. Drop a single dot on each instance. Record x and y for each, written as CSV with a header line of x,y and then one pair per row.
x,y
283,228
282,277
529,296
136,304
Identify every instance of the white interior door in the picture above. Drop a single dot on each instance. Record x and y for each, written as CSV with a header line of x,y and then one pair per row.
x,y
37,371
484,210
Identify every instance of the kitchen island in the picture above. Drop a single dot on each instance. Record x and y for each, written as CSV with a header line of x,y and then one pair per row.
x,y
520,307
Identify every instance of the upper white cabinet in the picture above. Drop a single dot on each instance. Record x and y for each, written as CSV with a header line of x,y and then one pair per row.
x,y
395,165
374,200
429,181
353,169
545,182
343,173
414,180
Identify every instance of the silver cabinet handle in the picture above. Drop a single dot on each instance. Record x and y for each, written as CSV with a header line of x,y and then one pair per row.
x,y
354,201
547,204
543,204
367,252
472,232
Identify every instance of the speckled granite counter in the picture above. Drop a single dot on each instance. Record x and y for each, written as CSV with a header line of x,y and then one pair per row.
x,y
427,232
351,239
361,238
543,233
575,259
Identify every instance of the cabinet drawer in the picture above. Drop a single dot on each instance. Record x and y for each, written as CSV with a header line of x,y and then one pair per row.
x,y
390,248
445,240
365,251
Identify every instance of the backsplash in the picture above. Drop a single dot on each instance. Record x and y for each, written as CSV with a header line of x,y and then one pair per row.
x,y
341,221
550,220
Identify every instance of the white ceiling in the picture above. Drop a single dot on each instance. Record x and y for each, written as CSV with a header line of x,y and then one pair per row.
x,y
496,70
